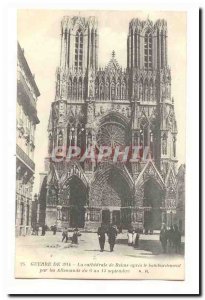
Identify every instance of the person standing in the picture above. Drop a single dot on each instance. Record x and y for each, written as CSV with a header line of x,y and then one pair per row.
x,y
37,229
54,229
170,236
112,233
130,236
101,236
176,239
163,238
136,237
65,235
75,236
43,229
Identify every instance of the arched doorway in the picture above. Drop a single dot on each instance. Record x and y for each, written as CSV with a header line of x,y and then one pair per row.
x,y
115,195
153,195
77,202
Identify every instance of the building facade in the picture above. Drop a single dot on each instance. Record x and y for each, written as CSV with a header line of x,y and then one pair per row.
x,y
113,107
180,209
26,118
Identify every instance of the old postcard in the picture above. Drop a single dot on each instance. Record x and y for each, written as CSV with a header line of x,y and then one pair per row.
x,y
100,144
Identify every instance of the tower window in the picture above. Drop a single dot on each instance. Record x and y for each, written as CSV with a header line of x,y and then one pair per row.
x,y
148,50
79,49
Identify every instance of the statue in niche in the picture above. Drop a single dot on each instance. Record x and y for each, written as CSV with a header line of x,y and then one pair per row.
x,y
128,112
91,87
146,93
151,93
89,139
101,110
90,111
140,91
60,139
96,92
101,92
135,139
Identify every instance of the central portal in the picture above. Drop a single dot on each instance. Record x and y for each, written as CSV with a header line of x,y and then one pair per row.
x,y
106,216
114,196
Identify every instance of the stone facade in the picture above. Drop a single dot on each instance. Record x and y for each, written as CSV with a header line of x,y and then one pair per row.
x,y
26,118
112,106
180,209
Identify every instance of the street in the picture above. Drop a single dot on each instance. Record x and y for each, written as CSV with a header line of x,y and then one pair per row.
x,y
149,246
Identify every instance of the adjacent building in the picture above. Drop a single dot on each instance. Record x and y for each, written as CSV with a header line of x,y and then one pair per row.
x,y
26,121
112,106
180,215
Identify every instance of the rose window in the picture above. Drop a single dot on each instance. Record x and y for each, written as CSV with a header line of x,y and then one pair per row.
x,y
112,135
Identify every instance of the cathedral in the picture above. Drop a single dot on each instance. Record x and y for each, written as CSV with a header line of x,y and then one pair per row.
x,y
112,106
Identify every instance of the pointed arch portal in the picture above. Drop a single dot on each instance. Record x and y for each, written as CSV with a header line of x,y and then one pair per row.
x,y
112,191
152,202
77,202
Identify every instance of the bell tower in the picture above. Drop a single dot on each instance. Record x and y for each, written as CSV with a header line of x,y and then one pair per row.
x,y
147,44
79,42
150,90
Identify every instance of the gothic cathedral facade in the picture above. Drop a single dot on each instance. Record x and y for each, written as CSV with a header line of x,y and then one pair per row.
x,y
112,106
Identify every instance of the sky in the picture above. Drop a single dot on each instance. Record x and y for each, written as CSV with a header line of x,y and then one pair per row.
x,y
38,32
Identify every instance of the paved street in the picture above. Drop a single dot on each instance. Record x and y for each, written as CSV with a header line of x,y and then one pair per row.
x,y
149,246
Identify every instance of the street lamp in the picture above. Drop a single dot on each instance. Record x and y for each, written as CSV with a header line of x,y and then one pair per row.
x,y
36,199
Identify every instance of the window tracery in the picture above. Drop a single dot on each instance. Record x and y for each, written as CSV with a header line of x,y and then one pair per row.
x,y
79,49
148,50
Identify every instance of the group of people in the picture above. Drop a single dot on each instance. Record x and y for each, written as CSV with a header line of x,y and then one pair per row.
x,y
36,229
111,232
74,238
133,237
171,238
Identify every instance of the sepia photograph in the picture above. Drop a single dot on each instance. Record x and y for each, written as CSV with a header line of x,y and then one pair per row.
x,y
100,144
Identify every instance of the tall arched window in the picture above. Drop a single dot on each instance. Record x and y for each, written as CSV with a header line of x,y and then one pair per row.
x,y
123,90
102,91
106,90
79,49
112,91
148,50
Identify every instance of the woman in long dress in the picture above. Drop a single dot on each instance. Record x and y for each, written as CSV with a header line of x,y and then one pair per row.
x,y
136,237
130,237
